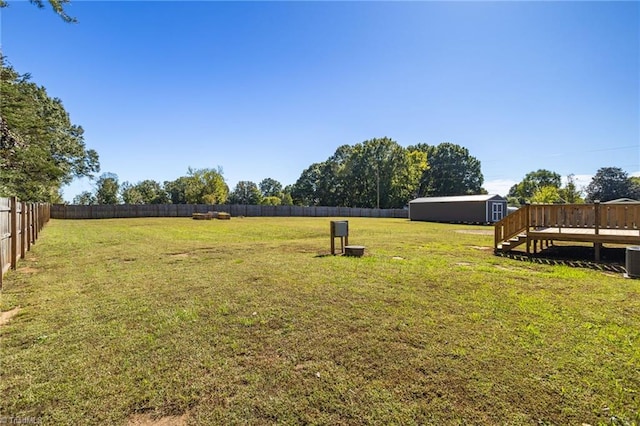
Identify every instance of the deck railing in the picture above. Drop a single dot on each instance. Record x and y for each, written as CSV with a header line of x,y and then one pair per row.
x,y
595,216
563,215
620,216
623,216
511,225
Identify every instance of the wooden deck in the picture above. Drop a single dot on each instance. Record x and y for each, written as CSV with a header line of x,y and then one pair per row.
x,y
591,223
612,236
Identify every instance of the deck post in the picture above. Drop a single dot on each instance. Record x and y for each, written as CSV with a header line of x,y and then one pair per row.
x,y
596,206
597,246
527,222
562,219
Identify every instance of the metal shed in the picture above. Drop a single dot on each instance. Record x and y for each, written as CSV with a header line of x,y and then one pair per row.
x,y
621,201
459,209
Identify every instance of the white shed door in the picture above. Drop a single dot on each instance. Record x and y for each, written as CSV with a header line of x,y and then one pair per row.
x,y
496,212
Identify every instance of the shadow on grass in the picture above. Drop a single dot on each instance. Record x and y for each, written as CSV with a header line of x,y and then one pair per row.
x,y
612,259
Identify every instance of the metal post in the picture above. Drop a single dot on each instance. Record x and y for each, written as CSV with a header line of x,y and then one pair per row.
x,y
333,237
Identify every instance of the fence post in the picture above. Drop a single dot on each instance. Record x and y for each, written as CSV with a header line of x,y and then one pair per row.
x,y
32,209
14,232
27,226
37,222
23,230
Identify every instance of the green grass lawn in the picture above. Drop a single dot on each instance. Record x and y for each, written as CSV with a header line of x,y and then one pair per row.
x,y
250,321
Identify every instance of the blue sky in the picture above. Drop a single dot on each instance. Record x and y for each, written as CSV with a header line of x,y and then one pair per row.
x,y
265,89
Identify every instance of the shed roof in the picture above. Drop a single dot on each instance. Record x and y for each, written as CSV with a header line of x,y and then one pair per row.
x,y
459,198
621,200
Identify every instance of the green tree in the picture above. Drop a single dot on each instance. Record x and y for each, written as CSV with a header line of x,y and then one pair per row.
x,y
334,180
610,183
200,186
107,188
286,199
305,192
177,189
130,194
370,172
376,172
270,187
208,187
145,192
452,171
10,146
271,201
245,192
532,182
513,202
47,151
85,198
570,192
152,192
635,187
406,182
546,195
57,6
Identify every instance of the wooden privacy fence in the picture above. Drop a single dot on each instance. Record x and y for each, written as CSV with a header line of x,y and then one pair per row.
x,y
20,226
62,211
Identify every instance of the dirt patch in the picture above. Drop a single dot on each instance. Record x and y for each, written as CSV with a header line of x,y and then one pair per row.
x,y
179,255
502,268
27,270
485,248
147,420
475,231
5,317
612,259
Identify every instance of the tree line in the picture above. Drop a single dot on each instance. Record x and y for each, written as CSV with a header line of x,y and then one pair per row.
x,y
321,185
375,173
198,186
380,173
544,186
